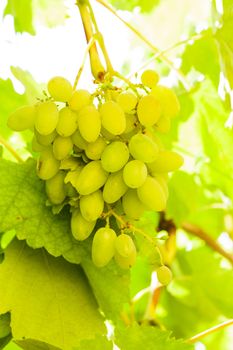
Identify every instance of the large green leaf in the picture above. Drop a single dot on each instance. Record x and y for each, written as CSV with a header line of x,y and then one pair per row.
x,y
49,299
144,5
95,344
22,13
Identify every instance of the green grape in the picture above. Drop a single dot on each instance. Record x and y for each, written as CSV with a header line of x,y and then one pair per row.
x,y
125,263
127,100
62,147
45,140
103,246
70,191
78,140
168,100
163,183
149,78
55,188
107,135
143,148
151,134
70,163
163,124
36,147
60,89
113,117
67,122
73,175
5,327
79,99
165,162
135,173
47,165
164,275
132,206
114,187
92,205
81,228
124,245
131,123
114,156
46,117
95,149
89,123
152,195
149,110
23,118
91,178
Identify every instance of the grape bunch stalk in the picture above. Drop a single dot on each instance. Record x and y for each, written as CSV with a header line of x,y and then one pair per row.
x,y
100,154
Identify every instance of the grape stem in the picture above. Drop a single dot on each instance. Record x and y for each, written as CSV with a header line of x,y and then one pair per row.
x,y
10,149
211,330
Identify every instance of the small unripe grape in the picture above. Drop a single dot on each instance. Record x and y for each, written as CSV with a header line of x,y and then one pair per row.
x,y
79,99
103,246
115,156
60,89
95,149
91,178
127,100
165,162
124,245
143,148
67,122
55,188
36,147
45,140
62,147
163,124
135,173
149,110
78,140
47,165
113,117
164,275
168,100
149,78
89,123
23,118
92,205
152,195
81,228
132,205
46,117
114,187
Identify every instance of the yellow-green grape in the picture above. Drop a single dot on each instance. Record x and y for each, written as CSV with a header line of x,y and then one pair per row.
x,y
55,188
23,118
163,124
113,117
165,162
70,190
91,178
92,205
36,146
81,228
168,100
125,251
149,110
152,195
125,263
164,275
107,135
135,173
60,89
62,147
103,246
115,156
162,181
143,148
154,137
73,175
70,163
46,117
78,140
114,187
149,78
67,122
45,140
132,205
131,123
127,100
89,123
95,149
79,99
47,165
114,94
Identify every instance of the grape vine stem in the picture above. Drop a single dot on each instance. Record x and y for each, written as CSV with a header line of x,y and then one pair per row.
x,y
10,149
203,334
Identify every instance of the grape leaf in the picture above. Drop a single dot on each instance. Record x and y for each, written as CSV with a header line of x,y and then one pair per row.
x,y
22,13
50,13
140,337
5,328
98,343
30,344
49,299
144,5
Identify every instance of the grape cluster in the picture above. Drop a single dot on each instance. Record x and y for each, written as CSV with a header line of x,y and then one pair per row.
x,y
101,152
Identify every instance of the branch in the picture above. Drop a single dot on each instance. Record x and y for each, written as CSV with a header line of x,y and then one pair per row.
x,y
198,232
201,335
